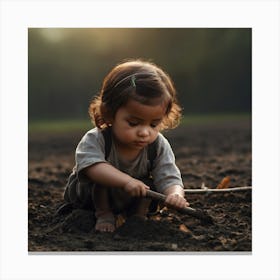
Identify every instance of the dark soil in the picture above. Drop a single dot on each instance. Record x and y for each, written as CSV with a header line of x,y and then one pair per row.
x,y
204,154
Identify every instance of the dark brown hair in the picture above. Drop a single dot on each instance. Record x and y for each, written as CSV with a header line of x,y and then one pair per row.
x,y
139,80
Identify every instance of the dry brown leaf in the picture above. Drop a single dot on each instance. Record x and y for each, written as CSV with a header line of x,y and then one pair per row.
x,y
183,228
120,220
155,218
224,184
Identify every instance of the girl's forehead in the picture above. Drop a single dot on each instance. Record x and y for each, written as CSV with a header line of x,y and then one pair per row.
x,y
136,109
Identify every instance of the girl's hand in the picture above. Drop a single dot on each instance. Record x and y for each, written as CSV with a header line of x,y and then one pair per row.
x,y
136,187
176,200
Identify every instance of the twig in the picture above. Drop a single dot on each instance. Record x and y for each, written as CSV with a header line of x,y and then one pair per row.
x,y
186,210
217,190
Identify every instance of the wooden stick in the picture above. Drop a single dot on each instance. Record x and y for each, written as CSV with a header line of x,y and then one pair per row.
x,y
186,210
206,190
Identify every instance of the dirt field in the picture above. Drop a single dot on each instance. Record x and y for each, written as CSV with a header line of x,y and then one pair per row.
x,y
204,154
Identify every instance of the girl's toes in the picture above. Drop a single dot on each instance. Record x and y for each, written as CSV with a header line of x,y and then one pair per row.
x,y
105,223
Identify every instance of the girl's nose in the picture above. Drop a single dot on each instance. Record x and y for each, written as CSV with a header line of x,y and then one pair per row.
x,y
143,132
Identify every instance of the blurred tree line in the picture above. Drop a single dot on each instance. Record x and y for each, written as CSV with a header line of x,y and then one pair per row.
x,y
211,67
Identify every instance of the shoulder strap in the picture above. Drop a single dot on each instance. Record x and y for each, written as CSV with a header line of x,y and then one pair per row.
x,y
108,141
152,152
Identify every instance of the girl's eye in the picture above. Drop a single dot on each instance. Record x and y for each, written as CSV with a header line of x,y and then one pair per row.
x,y
132,123
154,125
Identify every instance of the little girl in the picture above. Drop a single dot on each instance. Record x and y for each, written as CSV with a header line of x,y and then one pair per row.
x,y
113,164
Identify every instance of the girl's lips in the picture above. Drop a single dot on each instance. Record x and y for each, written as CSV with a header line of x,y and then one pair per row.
x,y
141,143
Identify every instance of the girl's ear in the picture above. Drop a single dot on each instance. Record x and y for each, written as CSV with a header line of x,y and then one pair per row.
x,y
106,115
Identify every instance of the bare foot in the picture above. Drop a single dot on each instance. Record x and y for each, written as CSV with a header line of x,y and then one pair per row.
x,y
105,222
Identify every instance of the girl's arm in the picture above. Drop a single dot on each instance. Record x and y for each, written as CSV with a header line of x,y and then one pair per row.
x,y
105,174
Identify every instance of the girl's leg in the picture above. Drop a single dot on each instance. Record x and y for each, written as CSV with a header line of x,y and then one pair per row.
x,y
105,219
140,208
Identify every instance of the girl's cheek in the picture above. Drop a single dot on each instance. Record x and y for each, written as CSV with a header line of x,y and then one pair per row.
x,y
129,131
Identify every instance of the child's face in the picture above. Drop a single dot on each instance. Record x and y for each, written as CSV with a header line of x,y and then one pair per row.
x,y
136,125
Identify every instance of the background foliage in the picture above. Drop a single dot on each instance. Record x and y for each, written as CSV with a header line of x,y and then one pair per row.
x,y
211,67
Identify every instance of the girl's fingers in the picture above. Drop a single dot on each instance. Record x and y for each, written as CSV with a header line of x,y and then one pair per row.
x,y
177,201
143,191
139,190
136,188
